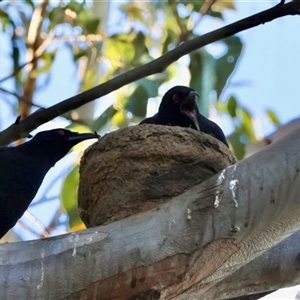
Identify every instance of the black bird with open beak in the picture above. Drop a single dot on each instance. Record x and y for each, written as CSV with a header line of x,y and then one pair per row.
x,y
23,168
179,108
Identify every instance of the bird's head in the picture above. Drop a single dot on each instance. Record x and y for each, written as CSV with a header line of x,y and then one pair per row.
x,y
180,100
56,143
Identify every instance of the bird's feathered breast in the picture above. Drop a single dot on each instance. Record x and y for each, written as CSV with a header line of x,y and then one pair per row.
x,y
20,177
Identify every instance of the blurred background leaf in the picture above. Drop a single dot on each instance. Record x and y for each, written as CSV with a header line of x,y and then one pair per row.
x,y
68,195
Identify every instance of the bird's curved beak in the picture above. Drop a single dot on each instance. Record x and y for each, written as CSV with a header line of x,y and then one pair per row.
x,y
79,137
188,107
193,94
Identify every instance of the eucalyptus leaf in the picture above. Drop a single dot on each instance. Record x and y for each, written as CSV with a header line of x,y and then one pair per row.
x,y
232,106
138,100
105,117
273,117
238,147
226,64
203,71
247,123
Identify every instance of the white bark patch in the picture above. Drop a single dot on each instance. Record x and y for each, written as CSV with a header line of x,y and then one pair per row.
x,y
79,242
220,180
74,239
233,186
189,214
40,285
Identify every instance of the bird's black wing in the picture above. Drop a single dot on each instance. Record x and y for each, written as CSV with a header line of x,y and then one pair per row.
x,y
211,128
23,168
4,149
151,120
20,177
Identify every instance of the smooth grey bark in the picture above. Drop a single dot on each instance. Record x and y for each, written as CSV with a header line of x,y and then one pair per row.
x,y
277,268
21,129
279,133
181,250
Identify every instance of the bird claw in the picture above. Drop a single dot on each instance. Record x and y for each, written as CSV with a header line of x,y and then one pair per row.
x,y
97,135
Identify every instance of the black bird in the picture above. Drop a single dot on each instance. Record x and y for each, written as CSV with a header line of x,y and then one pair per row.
x,y
23,168
178,107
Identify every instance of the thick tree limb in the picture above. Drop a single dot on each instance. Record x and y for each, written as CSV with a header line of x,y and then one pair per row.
x,y
179,251
277,268
16,131
279,133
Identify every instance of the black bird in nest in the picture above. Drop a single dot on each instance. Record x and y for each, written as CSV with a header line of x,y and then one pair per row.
x,y
178,107
23,168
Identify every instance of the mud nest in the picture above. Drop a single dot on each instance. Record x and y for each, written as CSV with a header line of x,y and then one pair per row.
x,y
138,168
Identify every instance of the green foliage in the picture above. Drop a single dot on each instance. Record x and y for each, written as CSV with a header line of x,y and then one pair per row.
x,y
104,118
273,117
226,64
237,145
70,185
133,12
150,30
89,24
69,196
242,120
119,51
201,66
232,106
46,61
138,100
212,74
74,14
141,52
5,20
137,103
30,3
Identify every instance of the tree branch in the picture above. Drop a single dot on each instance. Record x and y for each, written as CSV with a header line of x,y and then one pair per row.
x,y
38,53
33,37
275,269
21,98
20,130
178,251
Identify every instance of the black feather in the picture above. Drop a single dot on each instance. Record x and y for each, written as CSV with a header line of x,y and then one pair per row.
x,y
24,167
179,108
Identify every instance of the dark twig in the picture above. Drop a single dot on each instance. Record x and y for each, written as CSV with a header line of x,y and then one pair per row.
x,y
38,53
15,72
16,131
21,98
206,6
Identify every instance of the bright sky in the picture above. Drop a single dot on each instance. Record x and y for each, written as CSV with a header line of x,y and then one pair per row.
x,y
270,63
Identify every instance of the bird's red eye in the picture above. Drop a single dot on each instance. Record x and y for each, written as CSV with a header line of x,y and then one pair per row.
x,y
175,98
61,132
